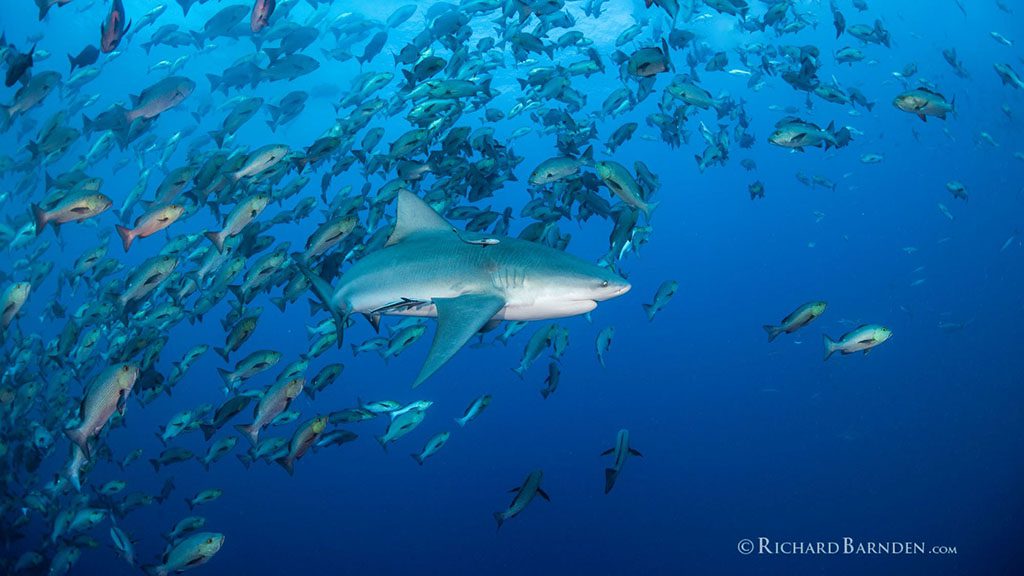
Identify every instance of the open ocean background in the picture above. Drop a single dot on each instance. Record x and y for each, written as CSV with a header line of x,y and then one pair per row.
x,y
919,441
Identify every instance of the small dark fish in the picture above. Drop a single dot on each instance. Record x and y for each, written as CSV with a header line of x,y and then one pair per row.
x,y
86,57
18,65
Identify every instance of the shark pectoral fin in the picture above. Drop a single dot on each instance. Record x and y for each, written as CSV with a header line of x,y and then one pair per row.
x,y
414,217
607,452
543,494
635,452
458,319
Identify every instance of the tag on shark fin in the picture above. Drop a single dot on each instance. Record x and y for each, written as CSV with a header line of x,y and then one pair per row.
x,y
458,319
415,216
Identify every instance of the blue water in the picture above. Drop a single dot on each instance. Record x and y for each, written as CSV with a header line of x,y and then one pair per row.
x,y
918,441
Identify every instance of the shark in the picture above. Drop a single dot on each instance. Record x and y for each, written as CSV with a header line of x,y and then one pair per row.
x,y
468,281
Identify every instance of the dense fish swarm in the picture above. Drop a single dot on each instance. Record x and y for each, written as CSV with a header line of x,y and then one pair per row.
x,y
404,199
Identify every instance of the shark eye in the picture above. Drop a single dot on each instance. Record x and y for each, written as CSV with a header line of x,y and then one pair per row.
x,y
604,284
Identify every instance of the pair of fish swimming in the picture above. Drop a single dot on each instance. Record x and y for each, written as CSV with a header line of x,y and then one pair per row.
x,y
860,339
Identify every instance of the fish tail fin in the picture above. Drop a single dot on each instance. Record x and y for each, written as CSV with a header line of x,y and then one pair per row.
x,y
208,430
519,370
499,518
383,442
79,437
772,331
222,353
649,310
39,215
44,8
417,458
610,475
588,156
87,124
215,81
322,290
126,236
217,239
287,463
830,346
249,431
280,303
461,422
155,463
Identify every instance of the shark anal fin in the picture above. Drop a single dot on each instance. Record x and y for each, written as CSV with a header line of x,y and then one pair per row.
x,y
458,319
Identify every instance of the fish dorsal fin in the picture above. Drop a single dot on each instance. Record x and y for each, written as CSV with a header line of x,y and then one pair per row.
x,y
415,217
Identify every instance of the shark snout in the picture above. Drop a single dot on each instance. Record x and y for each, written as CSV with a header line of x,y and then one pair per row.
x,y
614,289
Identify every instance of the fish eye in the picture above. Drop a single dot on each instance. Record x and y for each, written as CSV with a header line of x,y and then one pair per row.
x,y
604,284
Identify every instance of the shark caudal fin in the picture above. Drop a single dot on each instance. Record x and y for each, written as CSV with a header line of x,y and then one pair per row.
x,y
322,290
458,319
610,475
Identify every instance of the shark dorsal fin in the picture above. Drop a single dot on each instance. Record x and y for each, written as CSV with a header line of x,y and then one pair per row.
x,y
415,217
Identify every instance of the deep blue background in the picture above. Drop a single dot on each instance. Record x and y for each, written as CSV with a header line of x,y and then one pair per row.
x,y
919,441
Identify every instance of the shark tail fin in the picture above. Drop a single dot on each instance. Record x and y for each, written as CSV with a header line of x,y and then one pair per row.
x,y
772,331
322,290
610,474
